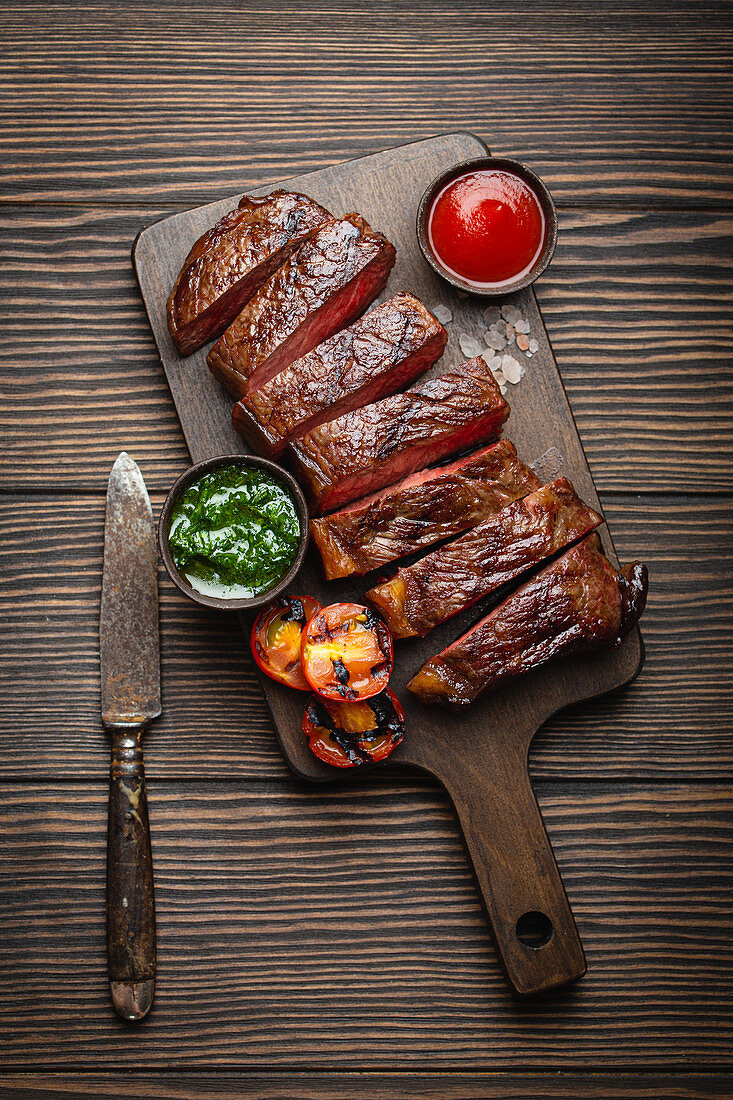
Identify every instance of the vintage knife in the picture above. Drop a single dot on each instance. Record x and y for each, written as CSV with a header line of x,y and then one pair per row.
x,y
130,671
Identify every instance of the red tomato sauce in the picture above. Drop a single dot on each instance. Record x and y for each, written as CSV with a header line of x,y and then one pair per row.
x,y
487,228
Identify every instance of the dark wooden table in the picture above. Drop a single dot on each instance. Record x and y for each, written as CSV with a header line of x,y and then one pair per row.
x,y
330,944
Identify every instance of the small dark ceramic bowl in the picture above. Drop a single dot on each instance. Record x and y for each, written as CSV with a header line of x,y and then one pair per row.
x,y
193,474
500,164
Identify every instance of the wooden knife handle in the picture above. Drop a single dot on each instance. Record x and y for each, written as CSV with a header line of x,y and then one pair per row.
x,y
517,877
130,897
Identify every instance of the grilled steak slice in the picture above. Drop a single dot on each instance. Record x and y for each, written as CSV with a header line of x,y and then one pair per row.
x,y
233,259
421,510
465,570
381,443
326,284
576,604
377,355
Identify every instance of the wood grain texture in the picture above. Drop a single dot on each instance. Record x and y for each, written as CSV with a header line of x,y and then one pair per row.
x,y
638,309
314,929
628,103
675,720
128,112
220,1085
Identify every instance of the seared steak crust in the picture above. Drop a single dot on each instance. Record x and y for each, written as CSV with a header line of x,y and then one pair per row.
x,y
326,284
576,604
421,510
233,259
465,570
381,443
377,355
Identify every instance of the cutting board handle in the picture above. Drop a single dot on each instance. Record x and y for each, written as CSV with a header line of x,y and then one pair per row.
x,y
513,862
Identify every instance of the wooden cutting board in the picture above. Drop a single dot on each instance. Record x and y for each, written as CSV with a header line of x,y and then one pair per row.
x,y
479,756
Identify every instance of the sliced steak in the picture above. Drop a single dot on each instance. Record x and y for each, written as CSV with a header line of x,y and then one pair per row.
x,y
328,282
466,569
233,259
380,353
381,443
421,510
576,604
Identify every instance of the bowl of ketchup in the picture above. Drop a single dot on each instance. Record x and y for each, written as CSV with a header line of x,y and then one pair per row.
x,y
488,226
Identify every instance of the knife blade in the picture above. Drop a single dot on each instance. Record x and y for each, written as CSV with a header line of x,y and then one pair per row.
x,y
130,679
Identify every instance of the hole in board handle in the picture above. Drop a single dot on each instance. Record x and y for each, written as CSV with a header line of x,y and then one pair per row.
x,y
534,929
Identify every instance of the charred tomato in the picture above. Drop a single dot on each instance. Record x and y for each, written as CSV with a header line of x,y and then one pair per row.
x,y
346,652
349,734
276,637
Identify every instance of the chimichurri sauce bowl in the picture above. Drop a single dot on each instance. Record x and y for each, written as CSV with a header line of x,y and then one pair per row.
x,y
233,532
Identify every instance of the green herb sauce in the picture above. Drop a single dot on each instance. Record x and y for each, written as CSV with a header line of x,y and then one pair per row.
x,y
234,533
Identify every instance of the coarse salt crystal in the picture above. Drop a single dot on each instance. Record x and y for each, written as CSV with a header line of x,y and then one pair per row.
x,y
511,369
469,345
493,362
442,313
549,464
495,340
522,325
522,341
511,313
533,345
491,315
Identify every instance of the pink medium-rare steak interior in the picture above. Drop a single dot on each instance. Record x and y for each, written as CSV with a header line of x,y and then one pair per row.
x,y
378,354
328,282
377,445
415,479
466,569
576,604
422,509
233,259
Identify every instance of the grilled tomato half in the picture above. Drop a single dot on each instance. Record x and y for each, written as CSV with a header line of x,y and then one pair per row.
x,y
346,652
276,637
349,734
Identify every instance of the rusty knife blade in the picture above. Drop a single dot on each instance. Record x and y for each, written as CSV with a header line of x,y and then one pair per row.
x,y
129,642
